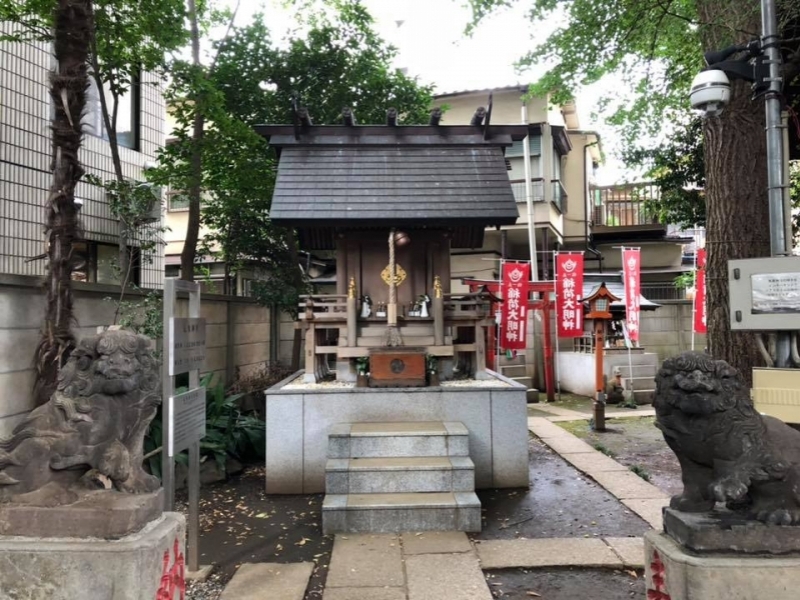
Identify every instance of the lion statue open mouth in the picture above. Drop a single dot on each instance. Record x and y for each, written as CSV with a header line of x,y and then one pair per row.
x,y
92,427
728,452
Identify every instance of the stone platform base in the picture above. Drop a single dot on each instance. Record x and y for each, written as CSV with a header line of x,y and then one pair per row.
x,y
101,514
674,574
136,567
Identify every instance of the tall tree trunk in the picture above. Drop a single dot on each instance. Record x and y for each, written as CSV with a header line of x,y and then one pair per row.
x,y
736,186
189,251
68,84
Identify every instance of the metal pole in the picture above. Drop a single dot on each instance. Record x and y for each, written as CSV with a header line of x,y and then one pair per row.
x,y
193,524
526,156
775,158
167,390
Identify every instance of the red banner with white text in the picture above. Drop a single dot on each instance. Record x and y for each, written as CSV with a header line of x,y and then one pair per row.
x,y
700,325
631,264
514,319
569,291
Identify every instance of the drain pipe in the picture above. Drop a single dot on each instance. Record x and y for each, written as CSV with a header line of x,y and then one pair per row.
x,y
586,199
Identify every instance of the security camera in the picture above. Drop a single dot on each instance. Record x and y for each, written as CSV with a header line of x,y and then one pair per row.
x,y
710,92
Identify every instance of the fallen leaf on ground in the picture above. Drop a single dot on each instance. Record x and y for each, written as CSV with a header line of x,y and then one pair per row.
x,y
529,593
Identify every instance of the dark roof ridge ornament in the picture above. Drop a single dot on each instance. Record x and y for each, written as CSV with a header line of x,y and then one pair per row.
x,y
391,117
477,118
436,116
348,117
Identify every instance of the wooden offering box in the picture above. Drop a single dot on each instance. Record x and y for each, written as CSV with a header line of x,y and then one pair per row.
x,y
397,367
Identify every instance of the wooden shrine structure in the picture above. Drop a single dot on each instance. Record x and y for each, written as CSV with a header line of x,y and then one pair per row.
x,y
391,202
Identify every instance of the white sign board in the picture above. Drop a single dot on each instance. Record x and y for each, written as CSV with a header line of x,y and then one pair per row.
x,y
188,422
188,349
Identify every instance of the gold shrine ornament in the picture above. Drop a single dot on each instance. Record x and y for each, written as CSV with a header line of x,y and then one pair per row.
x,y
399,275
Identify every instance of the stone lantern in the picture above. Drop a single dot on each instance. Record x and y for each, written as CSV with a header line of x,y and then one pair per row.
x,y
599,311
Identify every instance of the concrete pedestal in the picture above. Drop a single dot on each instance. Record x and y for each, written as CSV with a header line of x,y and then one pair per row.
x,y
139,566
672,573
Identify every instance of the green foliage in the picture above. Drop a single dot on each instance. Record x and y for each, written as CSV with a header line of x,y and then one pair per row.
x,y
652,47
678,168
684,280
339,61
362,365
641,472
432,363
229,431
600,447
145,316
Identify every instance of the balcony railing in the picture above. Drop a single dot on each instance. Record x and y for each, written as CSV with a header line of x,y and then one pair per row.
x,y
537,189
625,205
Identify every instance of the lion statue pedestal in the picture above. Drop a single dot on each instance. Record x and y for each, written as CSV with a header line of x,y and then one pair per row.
x,y
79,517
734,532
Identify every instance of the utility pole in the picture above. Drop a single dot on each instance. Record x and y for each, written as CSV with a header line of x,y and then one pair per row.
x,y
780,244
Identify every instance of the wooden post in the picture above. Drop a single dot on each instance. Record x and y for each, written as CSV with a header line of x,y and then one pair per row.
x,y
352,313
438,312
310,376
480,353
599,405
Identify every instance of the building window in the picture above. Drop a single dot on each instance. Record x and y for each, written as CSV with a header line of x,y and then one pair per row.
x,y
177,201
95,262
127,114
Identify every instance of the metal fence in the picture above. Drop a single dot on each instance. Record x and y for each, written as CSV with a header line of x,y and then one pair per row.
x,y
625,205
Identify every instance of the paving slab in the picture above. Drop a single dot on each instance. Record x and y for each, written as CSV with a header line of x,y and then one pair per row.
x,y
543,428
570,444
627,485
592,462
364,594
547,552
269,581
441,576
629,549
561,411
366,560
649,510
436,542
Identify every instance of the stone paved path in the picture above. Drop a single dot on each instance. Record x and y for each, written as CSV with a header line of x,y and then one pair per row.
x,y
445,565
643,498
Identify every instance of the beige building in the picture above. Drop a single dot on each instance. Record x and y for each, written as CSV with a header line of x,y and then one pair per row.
x,y
563,158
25,176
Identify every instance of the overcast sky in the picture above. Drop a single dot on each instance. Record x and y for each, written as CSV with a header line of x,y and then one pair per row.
x,y
432,46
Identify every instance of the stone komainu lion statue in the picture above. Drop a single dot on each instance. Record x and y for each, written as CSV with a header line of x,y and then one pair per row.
x,y
728,452
92,429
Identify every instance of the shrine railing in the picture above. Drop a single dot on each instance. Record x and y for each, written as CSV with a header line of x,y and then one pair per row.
x,y
323,307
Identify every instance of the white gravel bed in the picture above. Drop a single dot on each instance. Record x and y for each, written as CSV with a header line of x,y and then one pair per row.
x,y
298,384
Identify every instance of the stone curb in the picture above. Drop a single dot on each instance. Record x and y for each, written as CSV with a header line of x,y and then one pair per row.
x,y
641,497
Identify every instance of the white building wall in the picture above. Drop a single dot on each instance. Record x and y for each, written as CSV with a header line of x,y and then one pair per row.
x,y
25,158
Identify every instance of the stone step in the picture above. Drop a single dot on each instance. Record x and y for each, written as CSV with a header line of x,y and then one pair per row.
x,y
513,370
526,381
396,475
398,440
643,396
393,513
638,370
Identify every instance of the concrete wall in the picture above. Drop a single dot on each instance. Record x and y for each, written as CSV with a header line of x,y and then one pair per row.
x,y
668,330
576,369
238,335
298,422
